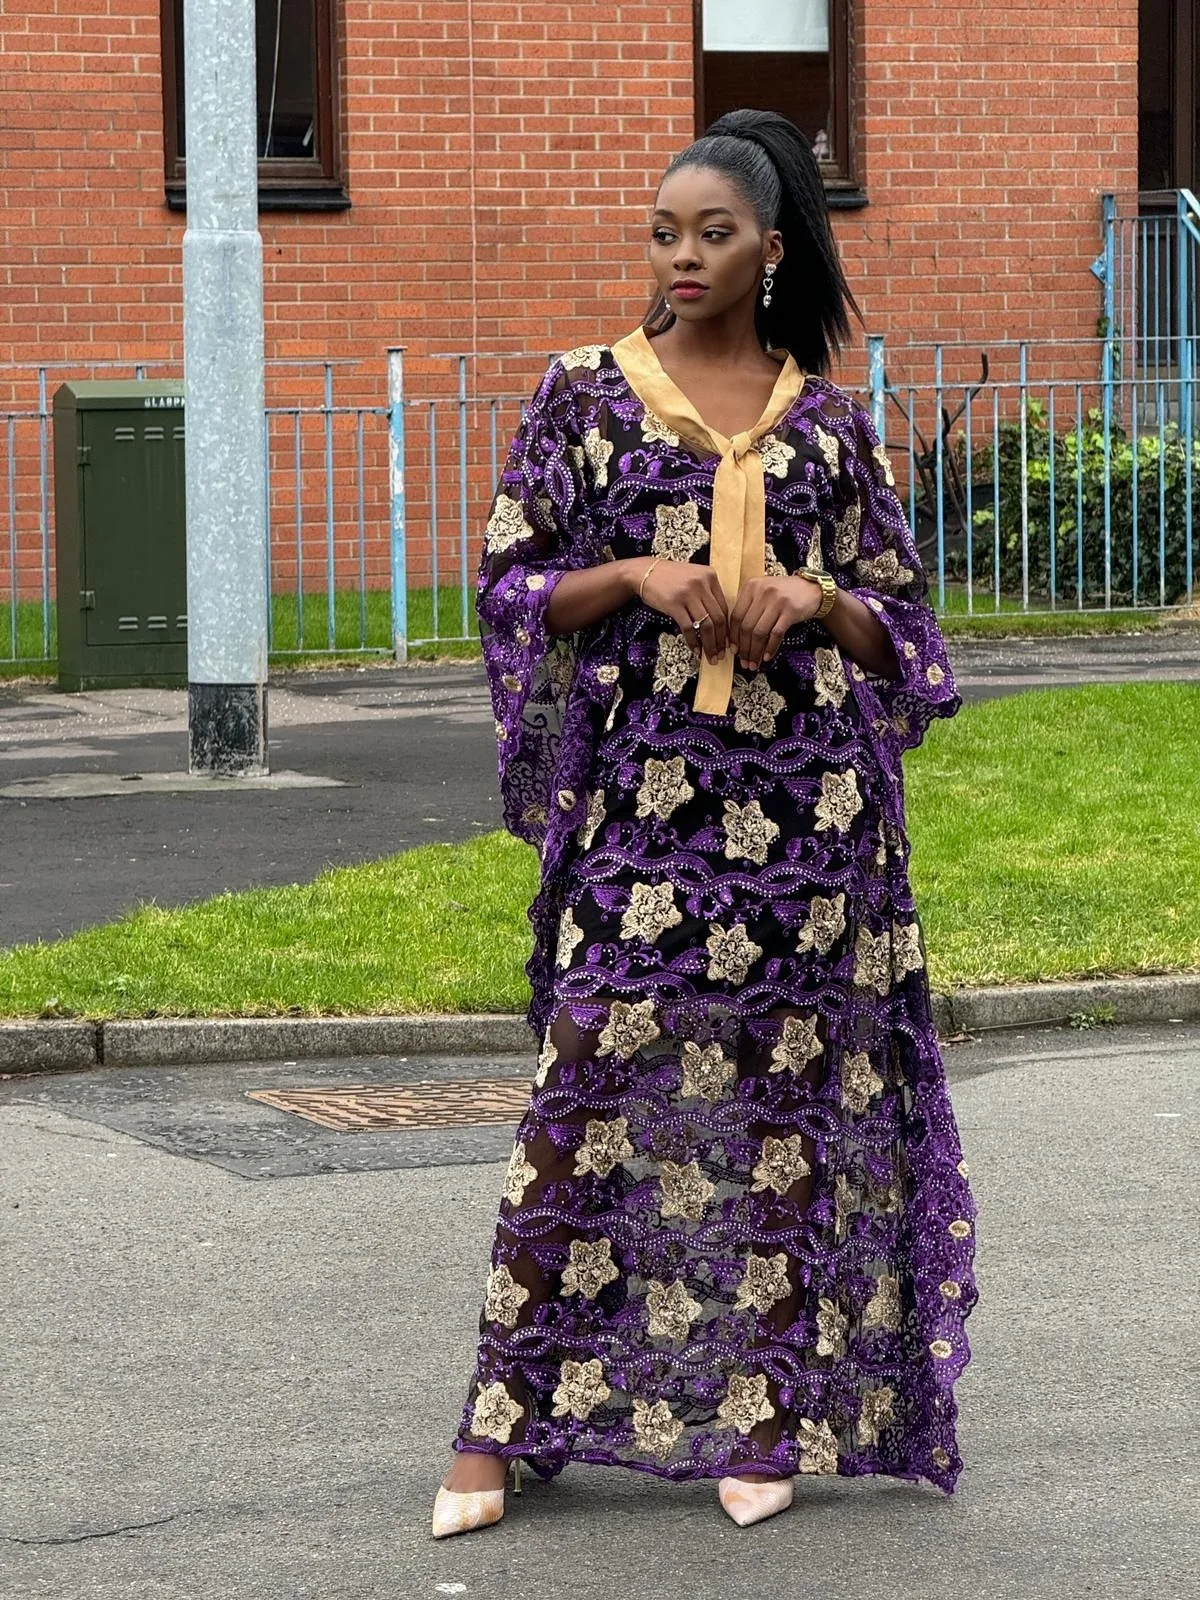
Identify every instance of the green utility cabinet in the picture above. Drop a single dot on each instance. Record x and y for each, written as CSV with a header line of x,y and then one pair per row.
x,y
120,535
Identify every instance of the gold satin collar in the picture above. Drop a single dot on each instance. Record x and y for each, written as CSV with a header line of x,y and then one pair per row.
x,y
737,539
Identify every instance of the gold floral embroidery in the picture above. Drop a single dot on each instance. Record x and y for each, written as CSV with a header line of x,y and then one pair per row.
x,y
629,1027
506,525
672,1310
566,799
584,355
581,1388
663,787
884,571
523,635
655,428
780,1164
909,649
941,1458
605,1145
675,664
878,1409
501,731
840,800
860,1083
829,680
755,705
678,532
765,1283
561,665
536,580
934,674
963,1170
906,949
612,711
598,450
494,1413
885,466
591,1266
873,960
950,1288
825,926
845,1204
547,1058
941,1349
831,1328
534,814
731,952
815,558
595,816
818,1446
569,935
830,449
960,1228
846,533
505,1297
747,832
685,1191
745,1403
875,604
654,1428
651,911
511,681
608,673
519,1175
883,1308
798,1044
772,566
775,455
706,1072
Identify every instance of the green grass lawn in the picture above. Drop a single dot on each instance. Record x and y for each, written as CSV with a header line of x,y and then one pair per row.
x,y
1055,834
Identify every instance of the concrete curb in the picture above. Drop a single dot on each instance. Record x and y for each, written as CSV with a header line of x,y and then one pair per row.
x,y
31,1047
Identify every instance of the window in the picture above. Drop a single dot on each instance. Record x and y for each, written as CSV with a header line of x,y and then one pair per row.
x,y
791,56
299,163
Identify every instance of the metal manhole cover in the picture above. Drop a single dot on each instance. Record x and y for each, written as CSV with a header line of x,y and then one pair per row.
x,y
479,1102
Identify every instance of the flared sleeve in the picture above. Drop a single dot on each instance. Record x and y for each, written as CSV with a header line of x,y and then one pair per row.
x,y
875,559
538,527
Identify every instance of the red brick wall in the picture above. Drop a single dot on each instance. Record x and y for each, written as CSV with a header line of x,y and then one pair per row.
x,y
501,158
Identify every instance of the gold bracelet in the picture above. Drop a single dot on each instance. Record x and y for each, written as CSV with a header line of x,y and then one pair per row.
x,y
646,574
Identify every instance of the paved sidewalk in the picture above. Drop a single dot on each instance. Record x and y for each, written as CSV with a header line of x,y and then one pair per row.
x,y
235,1346
412,751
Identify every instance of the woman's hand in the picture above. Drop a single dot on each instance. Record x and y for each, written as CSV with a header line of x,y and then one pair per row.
x,y
688,592
764,611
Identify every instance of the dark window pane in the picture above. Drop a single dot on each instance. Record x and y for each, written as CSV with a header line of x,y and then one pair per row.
x,y
285,43
796,85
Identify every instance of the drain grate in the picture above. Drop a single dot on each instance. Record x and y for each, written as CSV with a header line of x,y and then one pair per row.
x,y
480,1102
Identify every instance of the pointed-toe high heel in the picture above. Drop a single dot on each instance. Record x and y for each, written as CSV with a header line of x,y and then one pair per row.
x,y
461,1513
751,1502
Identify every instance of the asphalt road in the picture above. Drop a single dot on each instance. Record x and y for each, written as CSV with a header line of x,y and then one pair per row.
x,y
229,1374
411,754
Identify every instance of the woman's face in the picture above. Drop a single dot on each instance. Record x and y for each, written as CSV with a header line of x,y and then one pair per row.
x,y
704,232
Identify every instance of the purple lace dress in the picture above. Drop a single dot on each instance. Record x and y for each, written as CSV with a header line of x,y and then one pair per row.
x,y
736,1231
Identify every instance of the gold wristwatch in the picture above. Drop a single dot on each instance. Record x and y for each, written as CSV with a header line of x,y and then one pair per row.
x,y
828,588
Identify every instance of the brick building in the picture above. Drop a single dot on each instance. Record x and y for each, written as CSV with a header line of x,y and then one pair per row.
x,y
475,175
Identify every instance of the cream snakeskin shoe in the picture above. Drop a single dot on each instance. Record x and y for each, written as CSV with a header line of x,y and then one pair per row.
x,y
752,1502
461,1513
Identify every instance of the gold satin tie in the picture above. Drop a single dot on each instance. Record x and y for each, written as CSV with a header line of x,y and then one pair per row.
x,y
738,536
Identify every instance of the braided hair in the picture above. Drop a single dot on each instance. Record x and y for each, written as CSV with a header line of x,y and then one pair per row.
x,y
771,164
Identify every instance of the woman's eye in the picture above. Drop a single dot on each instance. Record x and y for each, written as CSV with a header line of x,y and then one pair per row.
x,y
664,236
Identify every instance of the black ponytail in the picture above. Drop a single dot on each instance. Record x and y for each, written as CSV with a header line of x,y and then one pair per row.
x,y
772,165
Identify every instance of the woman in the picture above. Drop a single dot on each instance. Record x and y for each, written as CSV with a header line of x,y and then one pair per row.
x,y
736,1237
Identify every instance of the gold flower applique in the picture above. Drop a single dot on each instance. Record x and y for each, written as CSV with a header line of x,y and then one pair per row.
x,y
655,428
772,566
605,1145
798,1044
829,680
831,1328
654,1427
934,674
523,635
840,800
963,1170
906,949
651,911
846,533
873,961
825,926
519,1175
630,1025
584,355
775,455
941,1349
884,571
883,1308
818,1446
706,1072
597,450
828,446
581,1388
536,580
731,952
747,832
941,1458
506,525
685,1191
591,1266
609,672
560,663
845,1204
860,1083
672,1310
814,558
780,1164
547,1058
595,816
745,1404
569,935
878,1409
885,466
505,1297
755,705
663,787
765,1283
494,1413
675,664
678,531
960,1228
501,731
950,1289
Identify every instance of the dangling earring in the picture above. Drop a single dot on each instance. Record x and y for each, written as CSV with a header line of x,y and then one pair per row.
x,y
770,271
